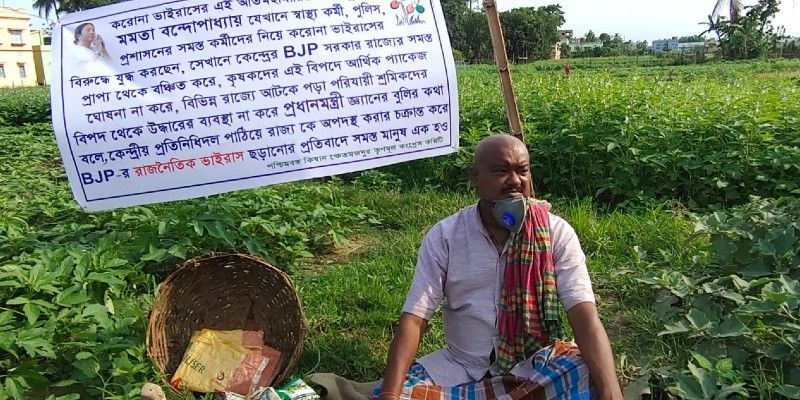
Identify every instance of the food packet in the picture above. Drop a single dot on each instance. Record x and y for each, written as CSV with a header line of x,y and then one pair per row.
x,y
295,389
227,361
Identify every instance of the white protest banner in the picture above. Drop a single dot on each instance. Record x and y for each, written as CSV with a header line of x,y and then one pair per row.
x,y
166,100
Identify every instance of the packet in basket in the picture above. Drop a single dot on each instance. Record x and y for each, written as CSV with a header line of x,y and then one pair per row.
x,y
227,361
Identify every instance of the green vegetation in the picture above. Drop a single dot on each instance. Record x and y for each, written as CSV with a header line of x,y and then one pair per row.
x,y
701,135
747,32
24,106
737,307
654,167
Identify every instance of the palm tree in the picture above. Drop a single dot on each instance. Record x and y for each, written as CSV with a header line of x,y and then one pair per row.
x,y
734,10
46,7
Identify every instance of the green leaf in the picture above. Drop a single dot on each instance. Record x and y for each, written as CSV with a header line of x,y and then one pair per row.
x,y
31,312
678,327
105,277
44,304
728,391
115,264
71,396
731,327
756,269
36,341
7,341
177,251
699,320
663,304
36,346
109,303
708,383
788,391
732,296
83,355
155,255
790,285
65,383
724,365
784,242
741,284
6,318
72,296
13,389
99,312
611,146
28,376
17,301
776,293
778,351
758,308
687,387
89,367
702,361
724,249
122,365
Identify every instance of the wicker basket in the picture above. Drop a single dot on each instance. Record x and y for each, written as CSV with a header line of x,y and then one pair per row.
x,y
225,292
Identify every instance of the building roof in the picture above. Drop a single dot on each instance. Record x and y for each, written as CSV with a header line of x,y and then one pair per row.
x,y
14,13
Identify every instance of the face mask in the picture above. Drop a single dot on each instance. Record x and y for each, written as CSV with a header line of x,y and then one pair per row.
x,y
510,213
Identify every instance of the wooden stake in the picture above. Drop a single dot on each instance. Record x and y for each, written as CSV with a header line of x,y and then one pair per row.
x,y
501,58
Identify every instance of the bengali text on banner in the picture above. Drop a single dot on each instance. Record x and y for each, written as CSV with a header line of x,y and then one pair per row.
x,y
156,101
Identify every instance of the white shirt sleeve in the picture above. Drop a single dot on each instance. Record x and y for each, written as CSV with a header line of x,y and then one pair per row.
x,y
572,276
427,287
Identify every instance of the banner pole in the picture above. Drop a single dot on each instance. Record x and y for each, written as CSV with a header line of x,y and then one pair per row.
x,y
501,58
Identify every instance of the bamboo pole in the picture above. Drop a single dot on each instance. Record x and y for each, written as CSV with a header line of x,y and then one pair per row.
x,y
501,58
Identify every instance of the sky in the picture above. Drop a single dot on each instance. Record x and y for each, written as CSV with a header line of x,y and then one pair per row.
x,y
633,19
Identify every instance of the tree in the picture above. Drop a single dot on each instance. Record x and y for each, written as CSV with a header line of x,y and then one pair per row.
x,y
734,10
531,33
590,37
455,13
46,7
691,39
752,35
642,48
478,43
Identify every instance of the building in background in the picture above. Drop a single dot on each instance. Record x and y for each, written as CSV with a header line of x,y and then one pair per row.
x,y
692,46
660,46
709,45
580,47
555,51
25,55
567,36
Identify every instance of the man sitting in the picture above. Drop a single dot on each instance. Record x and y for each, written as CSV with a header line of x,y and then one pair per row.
x,y
499,269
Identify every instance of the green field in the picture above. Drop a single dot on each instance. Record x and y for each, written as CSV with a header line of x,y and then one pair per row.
x,y
655,167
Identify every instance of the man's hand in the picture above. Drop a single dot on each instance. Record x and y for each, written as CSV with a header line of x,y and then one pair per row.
x,y
404,348
595,349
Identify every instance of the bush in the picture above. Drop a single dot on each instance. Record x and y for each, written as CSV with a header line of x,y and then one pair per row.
x,y
738,312
691,135
26,105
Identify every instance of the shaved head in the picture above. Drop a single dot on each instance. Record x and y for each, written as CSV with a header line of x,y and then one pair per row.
x,y
490,146
501,168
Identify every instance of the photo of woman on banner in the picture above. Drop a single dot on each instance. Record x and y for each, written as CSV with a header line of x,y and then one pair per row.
x,y
90,46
